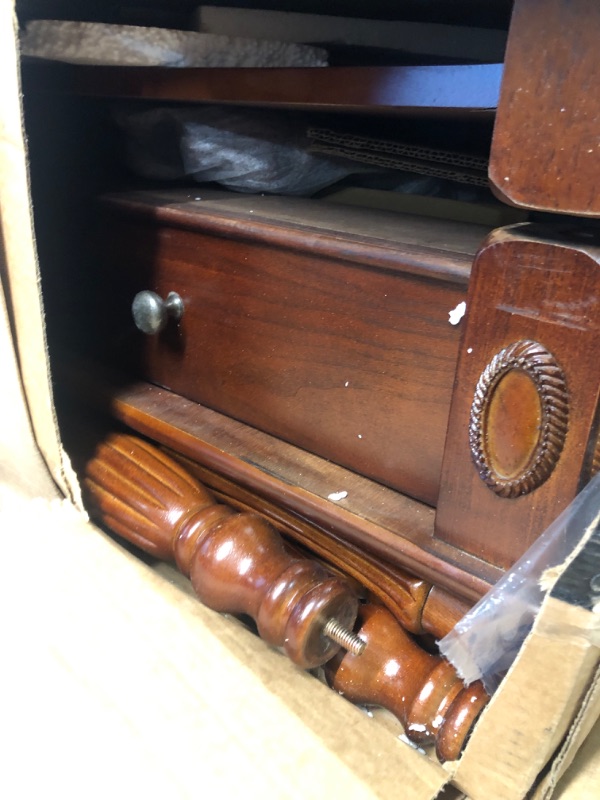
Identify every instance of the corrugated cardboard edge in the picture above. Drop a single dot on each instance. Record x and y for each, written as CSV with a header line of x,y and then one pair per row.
x,y
22,277
582,779
534,708
585,721
20,460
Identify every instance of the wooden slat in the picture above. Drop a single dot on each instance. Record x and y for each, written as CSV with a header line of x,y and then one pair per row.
x,y
454,88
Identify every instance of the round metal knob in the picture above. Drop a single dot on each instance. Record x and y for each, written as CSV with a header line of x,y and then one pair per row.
x,y
151,312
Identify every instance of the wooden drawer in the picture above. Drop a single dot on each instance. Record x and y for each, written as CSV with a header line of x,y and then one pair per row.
x,y
326,327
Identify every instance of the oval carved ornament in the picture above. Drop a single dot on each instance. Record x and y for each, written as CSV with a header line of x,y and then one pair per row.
x,y
519,419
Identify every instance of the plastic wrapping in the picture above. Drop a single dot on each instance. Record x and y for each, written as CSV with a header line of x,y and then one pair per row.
x,y
241,149
486,641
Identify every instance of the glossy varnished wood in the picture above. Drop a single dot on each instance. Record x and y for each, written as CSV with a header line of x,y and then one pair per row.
x,y
545,151
403,243
293,325
442,611
422,690
529,284
415,603
452,88
236,561
376,519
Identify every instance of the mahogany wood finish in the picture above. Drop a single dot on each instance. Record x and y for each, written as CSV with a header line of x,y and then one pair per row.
x,y
423,691
375,519
442,611
403,594
535,296
417,605
519,418
545,151
236,561
451,89
341,347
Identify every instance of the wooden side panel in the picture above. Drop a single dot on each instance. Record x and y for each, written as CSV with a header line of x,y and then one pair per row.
x,y
351,362
546,147
524,289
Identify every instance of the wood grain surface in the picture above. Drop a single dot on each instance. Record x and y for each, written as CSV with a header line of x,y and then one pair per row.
x,y
528,283
377,520
342,347
419,606
546,151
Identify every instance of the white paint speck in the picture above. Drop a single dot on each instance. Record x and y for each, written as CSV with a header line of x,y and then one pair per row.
x,y
469,349
457,313
416,728
562,109
335,497
360,435
507,178
347,384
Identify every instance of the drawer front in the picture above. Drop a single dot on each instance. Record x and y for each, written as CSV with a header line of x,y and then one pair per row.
x,y
353,363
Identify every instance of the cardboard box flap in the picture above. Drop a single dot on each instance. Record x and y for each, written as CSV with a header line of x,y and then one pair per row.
x,y
20,460
582,779
21,276
579,585
128,686
536,706
586,720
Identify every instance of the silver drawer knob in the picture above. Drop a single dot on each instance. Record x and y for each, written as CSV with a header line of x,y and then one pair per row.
x,y
151,312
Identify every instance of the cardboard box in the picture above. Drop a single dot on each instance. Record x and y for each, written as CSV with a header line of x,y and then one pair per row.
x,y
116,682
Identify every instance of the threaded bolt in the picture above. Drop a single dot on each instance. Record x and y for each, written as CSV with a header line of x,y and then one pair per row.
x,y
338,633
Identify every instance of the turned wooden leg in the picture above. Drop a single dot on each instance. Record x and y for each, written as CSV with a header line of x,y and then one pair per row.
x,y
237,562
423,691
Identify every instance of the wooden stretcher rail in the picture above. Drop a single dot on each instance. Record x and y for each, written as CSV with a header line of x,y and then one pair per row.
x,y
455,89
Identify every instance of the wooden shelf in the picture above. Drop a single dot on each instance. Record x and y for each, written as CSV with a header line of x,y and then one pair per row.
x,y
454,90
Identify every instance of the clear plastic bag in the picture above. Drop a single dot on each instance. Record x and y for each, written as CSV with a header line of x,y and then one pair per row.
x,y
246,150
484,644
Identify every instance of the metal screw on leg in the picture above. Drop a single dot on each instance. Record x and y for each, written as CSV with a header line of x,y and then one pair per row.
x,y
335,631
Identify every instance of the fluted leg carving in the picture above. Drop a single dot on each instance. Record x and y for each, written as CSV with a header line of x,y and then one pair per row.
x,y
236,562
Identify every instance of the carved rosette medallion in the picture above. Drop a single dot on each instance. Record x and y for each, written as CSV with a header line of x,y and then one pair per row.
x,y
519,419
